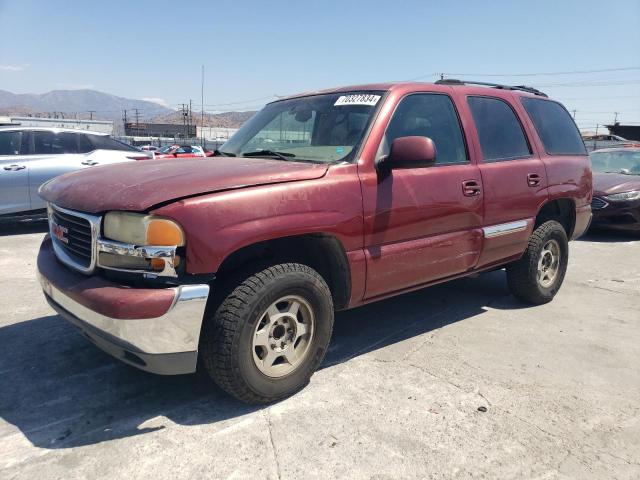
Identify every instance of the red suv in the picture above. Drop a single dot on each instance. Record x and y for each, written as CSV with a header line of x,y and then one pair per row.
x,y
321,202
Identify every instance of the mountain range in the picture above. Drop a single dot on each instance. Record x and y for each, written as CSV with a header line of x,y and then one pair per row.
x,y
84,104
80,103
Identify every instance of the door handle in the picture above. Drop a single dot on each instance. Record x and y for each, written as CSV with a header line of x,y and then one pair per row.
x,y
89,162
533,179
14,168
471,188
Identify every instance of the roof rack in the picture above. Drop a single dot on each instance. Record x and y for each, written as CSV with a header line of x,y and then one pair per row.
x,y
523,88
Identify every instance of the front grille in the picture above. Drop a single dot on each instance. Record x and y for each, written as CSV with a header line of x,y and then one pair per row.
x,y
597,203
73,236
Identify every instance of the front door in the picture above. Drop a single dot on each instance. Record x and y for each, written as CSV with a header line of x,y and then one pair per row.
x,y
14,174
423,224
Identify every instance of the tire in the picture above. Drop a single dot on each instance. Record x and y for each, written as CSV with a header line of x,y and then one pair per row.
x,y
527,278
260,309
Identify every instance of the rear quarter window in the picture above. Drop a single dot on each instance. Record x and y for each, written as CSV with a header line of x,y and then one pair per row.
x,y
105,142
555,127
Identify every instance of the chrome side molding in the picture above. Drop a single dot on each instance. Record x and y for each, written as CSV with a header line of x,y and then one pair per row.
x,y
504,229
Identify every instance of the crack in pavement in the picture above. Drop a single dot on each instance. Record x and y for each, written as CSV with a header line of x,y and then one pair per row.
x,y
442,379
267,417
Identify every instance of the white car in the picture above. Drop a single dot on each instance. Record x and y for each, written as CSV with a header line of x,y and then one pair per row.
x,y
29,156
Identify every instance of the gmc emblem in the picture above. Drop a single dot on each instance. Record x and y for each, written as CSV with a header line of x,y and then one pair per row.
x,y
59,232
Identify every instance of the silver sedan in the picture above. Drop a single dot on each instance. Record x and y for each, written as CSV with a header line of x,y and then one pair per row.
x,y
29,156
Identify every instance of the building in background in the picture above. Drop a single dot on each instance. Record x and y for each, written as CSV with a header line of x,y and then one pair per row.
x,y
216,134
171,130
101,126
630,132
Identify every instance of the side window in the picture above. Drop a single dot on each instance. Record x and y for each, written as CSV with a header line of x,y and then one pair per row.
x,y
500,132
11,143
428,115
556,128
51,143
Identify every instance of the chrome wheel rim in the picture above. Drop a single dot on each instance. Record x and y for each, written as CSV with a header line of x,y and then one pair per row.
x,y
283,335
549,263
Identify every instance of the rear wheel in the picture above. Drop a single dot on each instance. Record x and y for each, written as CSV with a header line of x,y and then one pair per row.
x,y
269,334
538,275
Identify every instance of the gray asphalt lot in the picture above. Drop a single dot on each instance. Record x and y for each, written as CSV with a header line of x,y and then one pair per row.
x,y
398,395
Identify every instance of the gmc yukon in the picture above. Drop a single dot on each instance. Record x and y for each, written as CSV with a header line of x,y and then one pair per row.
x,y
321,202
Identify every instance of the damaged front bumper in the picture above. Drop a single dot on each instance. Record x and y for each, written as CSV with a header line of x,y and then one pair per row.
x,y
154,329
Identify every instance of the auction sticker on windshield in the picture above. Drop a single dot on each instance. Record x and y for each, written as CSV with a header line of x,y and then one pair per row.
x,y
358,99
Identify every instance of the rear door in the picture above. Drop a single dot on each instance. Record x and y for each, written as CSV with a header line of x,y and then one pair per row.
x,y
14,173
513,176
423,224
54,153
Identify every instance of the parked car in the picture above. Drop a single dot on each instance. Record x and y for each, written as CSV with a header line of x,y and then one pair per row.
x,y
603,140
320,202
182,151
616,190
149,148
29,156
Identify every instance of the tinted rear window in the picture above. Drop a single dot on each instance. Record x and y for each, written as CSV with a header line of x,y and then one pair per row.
x,y
105,142
500,132
554,125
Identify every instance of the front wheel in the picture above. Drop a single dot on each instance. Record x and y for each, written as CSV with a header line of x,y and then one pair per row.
x,y
270,334
538,275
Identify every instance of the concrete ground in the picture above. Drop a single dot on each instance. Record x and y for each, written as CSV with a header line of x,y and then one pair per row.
x,y
398,396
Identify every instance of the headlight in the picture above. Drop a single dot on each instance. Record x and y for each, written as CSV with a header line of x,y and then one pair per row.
x,y
141,229
633,195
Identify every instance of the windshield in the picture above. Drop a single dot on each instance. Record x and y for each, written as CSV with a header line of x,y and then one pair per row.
x,y
616,161
320,128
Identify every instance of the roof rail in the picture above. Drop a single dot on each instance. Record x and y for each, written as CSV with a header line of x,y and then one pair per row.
x,y
523,88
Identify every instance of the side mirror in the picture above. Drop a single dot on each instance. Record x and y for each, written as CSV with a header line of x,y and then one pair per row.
x,y
411,152
175,154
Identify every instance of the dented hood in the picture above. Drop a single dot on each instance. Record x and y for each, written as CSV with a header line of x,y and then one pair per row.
x,y
138,186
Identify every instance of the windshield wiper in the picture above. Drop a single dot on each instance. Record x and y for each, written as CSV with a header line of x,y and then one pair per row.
x,y
220,153
269,153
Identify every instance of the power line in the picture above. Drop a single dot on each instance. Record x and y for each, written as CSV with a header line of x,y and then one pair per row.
x,y
590,84
533,74
237,102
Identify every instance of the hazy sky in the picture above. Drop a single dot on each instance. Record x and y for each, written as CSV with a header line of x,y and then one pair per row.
x,y
253,50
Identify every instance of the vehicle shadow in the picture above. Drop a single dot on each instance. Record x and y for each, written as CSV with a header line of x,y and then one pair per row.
x,y
608,236
24,227
62,392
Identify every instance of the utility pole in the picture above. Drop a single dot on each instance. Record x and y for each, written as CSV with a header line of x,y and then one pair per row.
x,y
124,122
202,107
190,118
574,114
184,120
91,112
615,120
137,121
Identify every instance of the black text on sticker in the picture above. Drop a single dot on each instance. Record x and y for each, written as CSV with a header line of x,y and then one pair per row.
x,y
358,99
